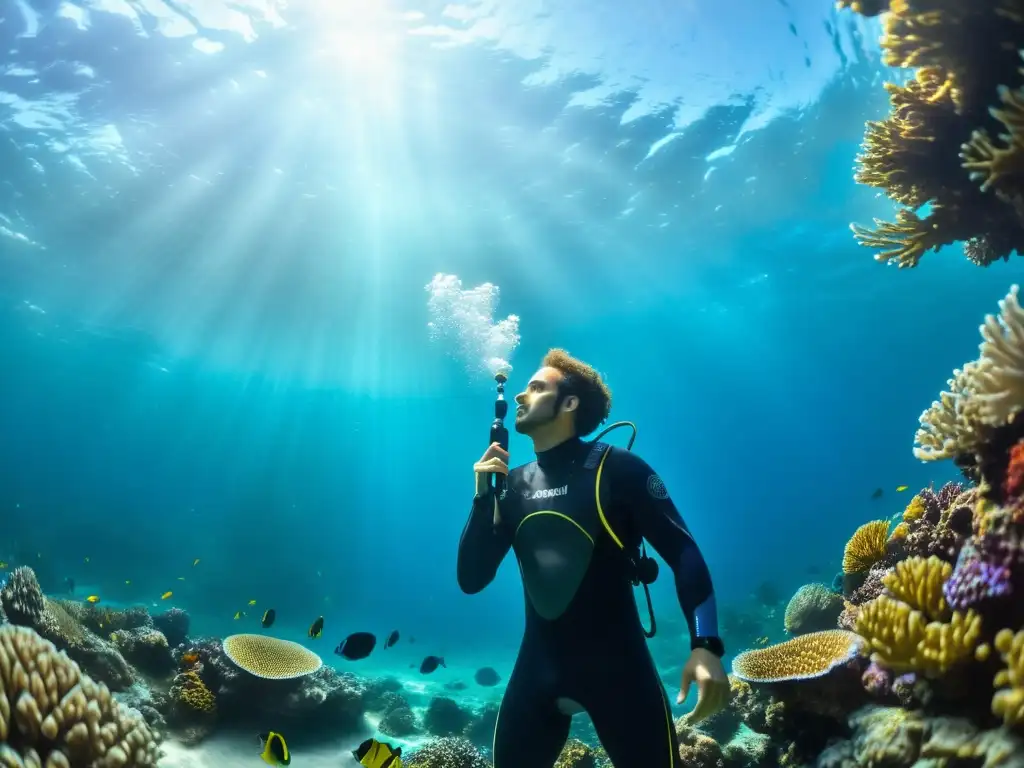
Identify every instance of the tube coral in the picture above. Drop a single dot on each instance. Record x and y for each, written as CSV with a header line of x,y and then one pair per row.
x,y
918,582
934,154
1008,701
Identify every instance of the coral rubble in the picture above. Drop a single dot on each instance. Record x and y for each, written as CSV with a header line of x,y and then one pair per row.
x,y
951,150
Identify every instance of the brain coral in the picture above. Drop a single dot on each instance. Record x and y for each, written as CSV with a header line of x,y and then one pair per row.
x,y
803,657
814,607
271,657
53,715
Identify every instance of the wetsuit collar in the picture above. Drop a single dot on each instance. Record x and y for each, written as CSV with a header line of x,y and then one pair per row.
x,y
562,455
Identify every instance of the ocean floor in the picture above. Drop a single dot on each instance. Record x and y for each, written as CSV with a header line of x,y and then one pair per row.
x,y
239,751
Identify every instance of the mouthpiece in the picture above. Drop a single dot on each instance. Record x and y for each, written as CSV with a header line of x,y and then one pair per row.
x,y
501,377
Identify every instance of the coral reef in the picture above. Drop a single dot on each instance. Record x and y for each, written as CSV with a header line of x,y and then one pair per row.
x,y
400,722
53,715
866,547
444,717
804,657
812,608
270,657
447,752
951,150
174,623
22,598
145,648
576,754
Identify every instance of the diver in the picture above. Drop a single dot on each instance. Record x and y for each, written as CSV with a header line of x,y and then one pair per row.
x,y
576,518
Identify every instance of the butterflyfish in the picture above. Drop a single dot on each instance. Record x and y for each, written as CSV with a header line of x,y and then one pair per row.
x,y
275,750
377,754
268,617
316,628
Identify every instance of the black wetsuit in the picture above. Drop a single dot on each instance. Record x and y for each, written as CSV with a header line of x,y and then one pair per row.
x,y
574,517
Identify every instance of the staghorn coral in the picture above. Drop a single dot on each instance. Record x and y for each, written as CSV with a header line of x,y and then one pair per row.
x,y
935,146
53,715
812,608
903,640
22,599
1008,701
866,547
271,657
918,582
807,656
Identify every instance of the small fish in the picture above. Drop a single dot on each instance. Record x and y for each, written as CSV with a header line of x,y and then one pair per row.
x,y
128,582
113,637
356,646
3,565
487,676
181,578
316,628
195,562
431,663
166,595
378,754
901,488
92,599
87,559
239,615
392,639
275,751
252,602
70,584
761,641
877,494
268,617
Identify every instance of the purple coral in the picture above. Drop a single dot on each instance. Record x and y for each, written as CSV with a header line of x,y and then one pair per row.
x,y
877,680
984,571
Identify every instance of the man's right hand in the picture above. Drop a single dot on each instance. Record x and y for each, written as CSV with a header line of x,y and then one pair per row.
x,y
495,459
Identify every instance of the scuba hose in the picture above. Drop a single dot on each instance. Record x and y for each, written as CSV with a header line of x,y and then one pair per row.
x,y
645,568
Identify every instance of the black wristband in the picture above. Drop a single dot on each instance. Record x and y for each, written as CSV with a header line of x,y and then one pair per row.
x,y
712,644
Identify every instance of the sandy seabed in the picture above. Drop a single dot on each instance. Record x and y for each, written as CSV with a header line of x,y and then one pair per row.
x,y
237,751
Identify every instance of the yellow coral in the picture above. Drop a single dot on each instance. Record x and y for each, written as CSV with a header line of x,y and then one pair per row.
x,y
903,639
271,657
806,656
190,689
866,547
53,715
915,509
1008,702
918,581
899,532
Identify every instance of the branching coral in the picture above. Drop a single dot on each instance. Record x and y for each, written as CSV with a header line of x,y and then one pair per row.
x,y
53,715
807,656
904,640
918,582
934,147
1008,701
866,547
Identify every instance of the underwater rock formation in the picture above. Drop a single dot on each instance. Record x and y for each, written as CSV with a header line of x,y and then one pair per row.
x,y
54,715
174,623
951,150
445,717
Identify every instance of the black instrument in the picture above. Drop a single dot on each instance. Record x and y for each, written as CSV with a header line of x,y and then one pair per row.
x,y
499,434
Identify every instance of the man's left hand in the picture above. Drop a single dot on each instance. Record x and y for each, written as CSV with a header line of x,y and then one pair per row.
x,y
706,670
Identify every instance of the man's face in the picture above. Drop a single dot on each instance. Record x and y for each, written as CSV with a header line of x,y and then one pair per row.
x,y
537,401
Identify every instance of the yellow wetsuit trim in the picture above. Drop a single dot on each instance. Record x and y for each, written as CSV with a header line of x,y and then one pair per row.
x,y
600,508
556,514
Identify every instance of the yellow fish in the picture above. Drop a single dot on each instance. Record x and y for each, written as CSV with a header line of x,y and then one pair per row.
x,y
239,614
113,637
378,754
902,487
195,562
275,751
92,599
252,602
166,595
2,565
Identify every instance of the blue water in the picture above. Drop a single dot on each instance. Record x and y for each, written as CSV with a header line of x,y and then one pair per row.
x,y
217,222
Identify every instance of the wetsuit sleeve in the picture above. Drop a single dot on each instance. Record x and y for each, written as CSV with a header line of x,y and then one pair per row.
x,y
482,547
641,497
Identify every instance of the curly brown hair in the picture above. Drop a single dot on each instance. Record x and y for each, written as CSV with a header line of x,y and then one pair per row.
x,y
581,380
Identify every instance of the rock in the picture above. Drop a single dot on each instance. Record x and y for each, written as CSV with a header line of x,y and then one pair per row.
x,y
444,717
174,623
146,648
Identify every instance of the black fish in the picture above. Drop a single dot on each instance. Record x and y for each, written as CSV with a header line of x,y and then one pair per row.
x,y
877,494
356,646
431,663
268,617
392,639
487,676
316,628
